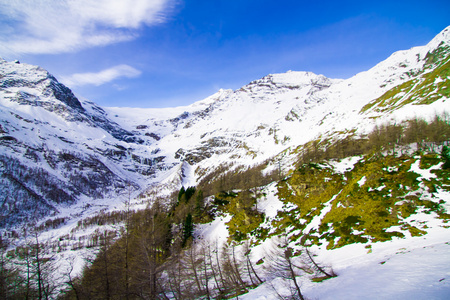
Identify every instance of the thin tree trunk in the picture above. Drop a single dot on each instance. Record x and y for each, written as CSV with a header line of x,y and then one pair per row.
x,y
317,266
212,269
254,272
236,270
105,262
152,254
295,281
107,289
249,263
38,267
127,232
250,274
218,266
173,286
194,269
27,295
206,274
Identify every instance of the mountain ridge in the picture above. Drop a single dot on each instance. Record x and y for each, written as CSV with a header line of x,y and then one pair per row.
x,y
141,147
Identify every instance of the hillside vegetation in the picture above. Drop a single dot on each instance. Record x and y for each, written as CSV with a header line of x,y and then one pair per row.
x,y
393,175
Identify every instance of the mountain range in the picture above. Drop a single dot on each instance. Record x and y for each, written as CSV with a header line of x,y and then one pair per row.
x,y
64,159
60,151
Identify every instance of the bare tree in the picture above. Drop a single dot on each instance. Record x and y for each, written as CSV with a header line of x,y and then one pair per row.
x,y
194,262
313,265
213,267
175,275
281,264
150,251
250,269
72,282
39,262
232,269
126,237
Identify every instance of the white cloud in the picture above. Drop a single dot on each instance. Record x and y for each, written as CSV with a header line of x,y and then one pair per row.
x,y
49,26
101,77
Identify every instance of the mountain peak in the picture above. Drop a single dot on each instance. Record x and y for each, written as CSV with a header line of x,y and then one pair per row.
x,y
293,79
28,81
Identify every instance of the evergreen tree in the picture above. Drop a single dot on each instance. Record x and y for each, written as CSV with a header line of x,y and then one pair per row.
x,y
188,228
445,154
12,282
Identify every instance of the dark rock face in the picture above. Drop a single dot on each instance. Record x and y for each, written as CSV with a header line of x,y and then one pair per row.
x,y
207,149
37,79
62,93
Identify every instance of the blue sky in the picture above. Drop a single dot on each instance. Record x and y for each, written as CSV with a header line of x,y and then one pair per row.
x,y
164,53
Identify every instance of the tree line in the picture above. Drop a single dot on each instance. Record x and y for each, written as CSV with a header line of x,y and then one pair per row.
x,y
157,258
418,132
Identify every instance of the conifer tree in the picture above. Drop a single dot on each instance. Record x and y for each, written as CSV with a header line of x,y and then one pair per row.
x,y
12,282
188,228
445,154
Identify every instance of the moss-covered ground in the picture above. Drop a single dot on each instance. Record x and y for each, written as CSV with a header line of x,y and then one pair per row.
x,y
371,202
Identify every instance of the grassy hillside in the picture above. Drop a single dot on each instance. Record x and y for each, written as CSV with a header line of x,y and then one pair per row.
x,y
375,200
429,85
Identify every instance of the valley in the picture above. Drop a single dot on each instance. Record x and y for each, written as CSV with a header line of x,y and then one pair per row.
x,y
295,185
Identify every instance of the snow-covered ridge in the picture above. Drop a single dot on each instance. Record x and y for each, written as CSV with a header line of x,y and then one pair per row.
x,y
442,37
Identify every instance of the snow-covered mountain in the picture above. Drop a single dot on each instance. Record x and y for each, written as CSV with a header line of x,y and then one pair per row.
x,y
64,159
57,151
282,111
61,154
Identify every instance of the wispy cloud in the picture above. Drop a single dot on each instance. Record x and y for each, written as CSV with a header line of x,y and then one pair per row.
x,y
48,26
101,77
